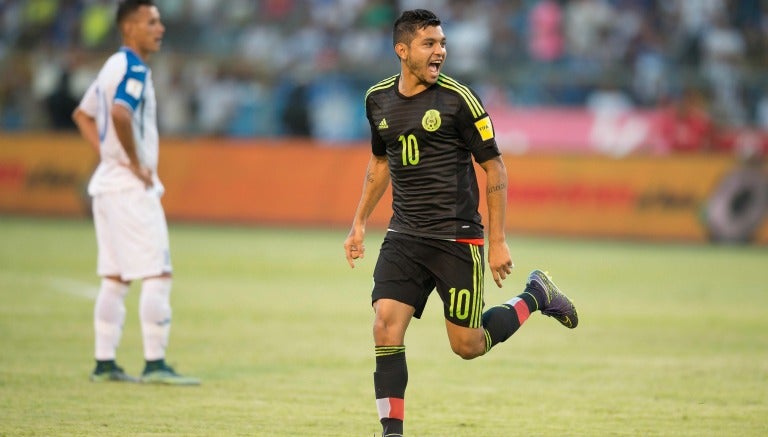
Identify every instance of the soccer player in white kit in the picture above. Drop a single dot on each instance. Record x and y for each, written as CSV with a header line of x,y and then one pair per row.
x,y
117,116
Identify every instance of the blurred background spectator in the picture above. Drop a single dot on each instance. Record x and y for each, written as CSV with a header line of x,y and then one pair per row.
x,y
271,68
685,125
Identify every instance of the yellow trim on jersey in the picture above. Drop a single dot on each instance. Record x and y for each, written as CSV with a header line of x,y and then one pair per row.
x,y
478,281
386,83
469,98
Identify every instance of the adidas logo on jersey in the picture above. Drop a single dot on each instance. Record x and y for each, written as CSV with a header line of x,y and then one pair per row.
x,y
383,124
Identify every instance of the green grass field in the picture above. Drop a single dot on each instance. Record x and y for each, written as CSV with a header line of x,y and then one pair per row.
x,y
673,341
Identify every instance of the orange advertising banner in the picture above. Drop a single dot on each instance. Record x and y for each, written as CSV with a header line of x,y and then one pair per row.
x,y
284,183
690,198
268,182
645,197
45,174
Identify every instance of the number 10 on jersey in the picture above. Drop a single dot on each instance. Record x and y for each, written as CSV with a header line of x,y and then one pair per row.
x,y
410,149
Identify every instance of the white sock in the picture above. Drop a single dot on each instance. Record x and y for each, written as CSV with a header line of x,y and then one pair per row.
x,y
109,317
155,315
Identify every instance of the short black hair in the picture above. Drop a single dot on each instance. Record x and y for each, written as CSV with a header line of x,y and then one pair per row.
x,y
411,21
127,7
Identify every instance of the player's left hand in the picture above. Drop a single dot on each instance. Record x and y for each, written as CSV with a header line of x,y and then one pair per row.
x,y
499,261
353,246
142,173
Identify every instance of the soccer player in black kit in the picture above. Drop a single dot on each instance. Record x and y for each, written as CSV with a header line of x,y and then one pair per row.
x,y
426,129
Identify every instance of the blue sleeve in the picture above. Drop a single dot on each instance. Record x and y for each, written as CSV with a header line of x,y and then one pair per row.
x,y
130,90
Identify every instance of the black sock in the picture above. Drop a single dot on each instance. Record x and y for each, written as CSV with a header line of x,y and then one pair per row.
x,y
531,300
105,366
154,365
501,321
389,381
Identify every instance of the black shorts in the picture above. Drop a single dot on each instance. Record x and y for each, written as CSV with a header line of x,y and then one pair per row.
x,y
410,267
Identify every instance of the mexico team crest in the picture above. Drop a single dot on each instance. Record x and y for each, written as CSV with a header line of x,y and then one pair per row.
x,y
431,121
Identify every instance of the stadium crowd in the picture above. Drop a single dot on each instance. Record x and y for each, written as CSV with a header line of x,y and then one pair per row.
x,y
246,68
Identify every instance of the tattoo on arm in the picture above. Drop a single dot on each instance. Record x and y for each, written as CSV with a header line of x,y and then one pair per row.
x,y
369,177
497,187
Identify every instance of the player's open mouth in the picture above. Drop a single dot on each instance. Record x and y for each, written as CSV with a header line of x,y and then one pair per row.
x,y
434,67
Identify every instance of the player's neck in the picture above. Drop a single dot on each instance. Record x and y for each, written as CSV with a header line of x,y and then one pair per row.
x,y
409,85
142,54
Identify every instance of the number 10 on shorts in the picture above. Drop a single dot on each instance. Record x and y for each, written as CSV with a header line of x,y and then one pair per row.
x,y
459,305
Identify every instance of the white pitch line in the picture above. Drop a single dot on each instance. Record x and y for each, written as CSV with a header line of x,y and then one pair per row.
x,y
73,287
60,284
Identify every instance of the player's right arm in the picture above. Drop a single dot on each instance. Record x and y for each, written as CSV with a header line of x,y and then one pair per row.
x,y
84,119
376,182
122,119
87,127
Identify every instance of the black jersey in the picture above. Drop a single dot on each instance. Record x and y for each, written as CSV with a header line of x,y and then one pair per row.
x,y
429,140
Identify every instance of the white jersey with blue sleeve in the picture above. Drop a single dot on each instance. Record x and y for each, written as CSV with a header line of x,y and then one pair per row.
x,y
123,80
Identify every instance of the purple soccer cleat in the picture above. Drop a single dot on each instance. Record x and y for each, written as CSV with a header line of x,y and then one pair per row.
x,y
556,304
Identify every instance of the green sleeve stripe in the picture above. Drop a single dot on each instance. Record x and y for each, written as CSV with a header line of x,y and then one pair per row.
x,y
386,83
469,98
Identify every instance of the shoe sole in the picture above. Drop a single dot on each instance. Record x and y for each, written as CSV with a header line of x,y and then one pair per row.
x,y
109,378
165,382
170,380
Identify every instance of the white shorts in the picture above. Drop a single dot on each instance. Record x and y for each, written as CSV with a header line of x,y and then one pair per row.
x,y
131,234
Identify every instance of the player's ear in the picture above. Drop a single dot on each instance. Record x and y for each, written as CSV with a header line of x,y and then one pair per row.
x,y
401,50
